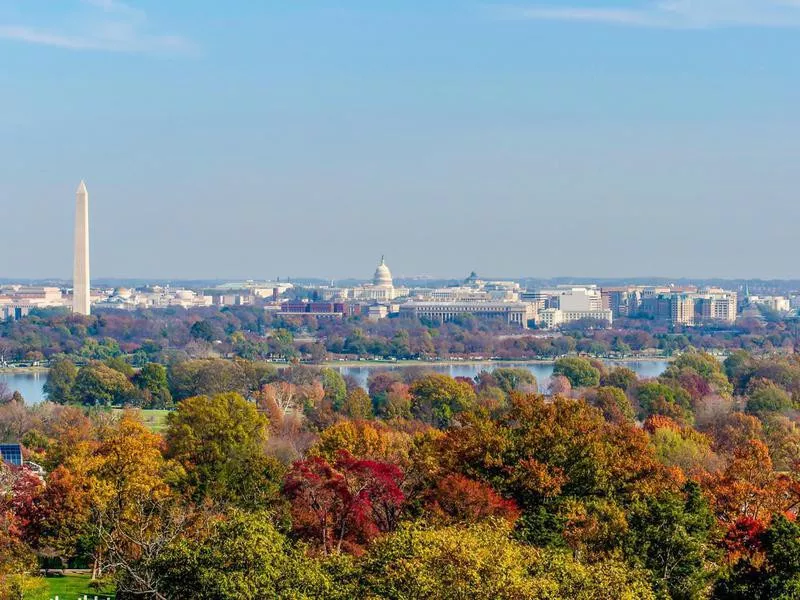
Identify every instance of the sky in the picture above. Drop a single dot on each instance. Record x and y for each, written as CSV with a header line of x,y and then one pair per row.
x,y
306,138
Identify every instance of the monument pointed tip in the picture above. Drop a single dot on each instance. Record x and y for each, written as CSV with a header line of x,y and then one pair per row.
x,y
82,187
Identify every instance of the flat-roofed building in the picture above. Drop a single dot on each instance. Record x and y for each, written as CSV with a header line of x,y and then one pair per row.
x,y
716,306
514,313
550,318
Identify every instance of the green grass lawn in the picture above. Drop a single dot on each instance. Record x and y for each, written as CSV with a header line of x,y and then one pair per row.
x,y
154,420
71,587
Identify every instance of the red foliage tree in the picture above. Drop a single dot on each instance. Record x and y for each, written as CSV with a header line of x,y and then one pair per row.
x,y
344,505
744,538
458,498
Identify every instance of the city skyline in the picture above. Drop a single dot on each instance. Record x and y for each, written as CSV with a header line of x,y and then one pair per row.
x,y
289,138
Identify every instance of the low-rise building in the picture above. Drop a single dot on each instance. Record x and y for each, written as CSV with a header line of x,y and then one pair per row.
x,y
514,313
775,303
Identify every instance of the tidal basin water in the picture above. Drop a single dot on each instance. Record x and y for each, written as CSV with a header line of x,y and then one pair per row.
x,y
30,384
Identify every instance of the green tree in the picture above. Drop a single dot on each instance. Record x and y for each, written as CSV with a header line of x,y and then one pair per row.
x,y
620,377
118,363
220,442
436,399
152,380
243,558
100,385
578,371
216,376
673,536
515,379
60,380
659,399
335,387
481,562
765,397
698,364
202,330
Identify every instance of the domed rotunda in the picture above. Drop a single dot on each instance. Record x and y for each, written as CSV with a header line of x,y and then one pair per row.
x,y
383,276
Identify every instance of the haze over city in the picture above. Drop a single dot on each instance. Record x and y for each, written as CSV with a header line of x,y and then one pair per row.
x,y
302,139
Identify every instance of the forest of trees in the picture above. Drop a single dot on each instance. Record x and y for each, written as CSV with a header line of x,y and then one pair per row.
x,y
298,483
167,335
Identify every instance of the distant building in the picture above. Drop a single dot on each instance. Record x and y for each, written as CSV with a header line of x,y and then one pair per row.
x,y
716,305
567,304
382,288
159,297
573,298
622,301
681,309
16,301
514,313
330,310
776,303
550,318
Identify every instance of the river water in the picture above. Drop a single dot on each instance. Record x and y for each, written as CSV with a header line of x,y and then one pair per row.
x,y
30,384
542,371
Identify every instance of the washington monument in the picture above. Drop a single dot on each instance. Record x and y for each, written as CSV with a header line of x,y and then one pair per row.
x,y
80,273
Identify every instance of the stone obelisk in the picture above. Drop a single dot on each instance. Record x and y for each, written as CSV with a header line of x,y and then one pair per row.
x,y
80,274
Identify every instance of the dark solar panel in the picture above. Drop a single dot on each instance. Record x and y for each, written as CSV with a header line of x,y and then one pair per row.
x,y
12,454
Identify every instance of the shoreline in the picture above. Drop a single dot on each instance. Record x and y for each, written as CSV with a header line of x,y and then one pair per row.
x,y
349,364
24,370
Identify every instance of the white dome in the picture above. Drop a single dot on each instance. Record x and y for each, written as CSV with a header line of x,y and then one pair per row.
x,y
383,276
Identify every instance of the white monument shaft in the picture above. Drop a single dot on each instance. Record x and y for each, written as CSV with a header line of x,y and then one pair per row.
x,y
80,274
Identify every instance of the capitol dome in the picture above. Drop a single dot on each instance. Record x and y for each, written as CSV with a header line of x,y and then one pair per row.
x,y
383,276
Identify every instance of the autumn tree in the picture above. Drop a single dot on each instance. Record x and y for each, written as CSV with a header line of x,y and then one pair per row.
x,y
749,487
129,487
613,403
437,399
457,499
357,405
241,556
543,454
220,442
481,561
365,440
379,385
343,505
774,575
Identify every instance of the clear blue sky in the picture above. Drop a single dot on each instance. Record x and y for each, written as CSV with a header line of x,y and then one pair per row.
x,y
308,137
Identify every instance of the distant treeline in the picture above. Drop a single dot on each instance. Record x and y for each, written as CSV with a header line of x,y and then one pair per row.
x,y
165,336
